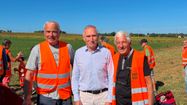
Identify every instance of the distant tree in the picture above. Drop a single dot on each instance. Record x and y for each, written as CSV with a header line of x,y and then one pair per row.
x,y
113,33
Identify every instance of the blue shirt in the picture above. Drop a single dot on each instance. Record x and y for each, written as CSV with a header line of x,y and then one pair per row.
x,y
92,71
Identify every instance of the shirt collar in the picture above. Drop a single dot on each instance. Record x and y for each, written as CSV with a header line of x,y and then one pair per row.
x,y
97,49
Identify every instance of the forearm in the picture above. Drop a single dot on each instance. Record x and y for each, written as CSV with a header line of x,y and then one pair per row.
x,y
28,84
150,90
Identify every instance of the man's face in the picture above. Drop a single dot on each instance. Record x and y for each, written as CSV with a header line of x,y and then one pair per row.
x,y
52,33
123,45
90,37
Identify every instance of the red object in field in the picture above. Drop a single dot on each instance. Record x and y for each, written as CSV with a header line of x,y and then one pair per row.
x,y
7,97
165,98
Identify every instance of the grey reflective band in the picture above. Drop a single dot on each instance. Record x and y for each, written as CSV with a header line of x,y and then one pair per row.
x,y
138,90
184,63
52,76
184,58
114,84
43,86
64,85
140,102
1,62
63,75
113,97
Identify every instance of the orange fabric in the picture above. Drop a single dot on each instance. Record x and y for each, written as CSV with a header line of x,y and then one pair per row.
x,y
49,67
151,61
184,57
137,77
1,60
110,47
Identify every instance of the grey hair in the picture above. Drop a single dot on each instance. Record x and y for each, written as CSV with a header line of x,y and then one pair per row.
x,y
90,26
120,34
54,22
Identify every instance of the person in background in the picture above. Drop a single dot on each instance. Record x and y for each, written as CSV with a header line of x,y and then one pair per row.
x,y
149,53
3,63
184,62
21,71
51,61
103,41
132,81
7,44
92,71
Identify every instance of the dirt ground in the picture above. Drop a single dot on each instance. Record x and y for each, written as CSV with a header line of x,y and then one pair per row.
x,y
169,72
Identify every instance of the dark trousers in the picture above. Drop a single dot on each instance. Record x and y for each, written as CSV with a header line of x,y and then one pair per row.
x,y
42,100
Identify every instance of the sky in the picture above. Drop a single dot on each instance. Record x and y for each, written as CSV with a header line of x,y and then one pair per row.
x,y
137,16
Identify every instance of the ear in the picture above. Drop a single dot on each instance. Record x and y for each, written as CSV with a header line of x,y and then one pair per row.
x,y
83,37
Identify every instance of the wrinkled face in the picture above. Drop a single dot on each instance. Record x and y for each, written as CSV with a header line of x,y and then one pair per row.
x,y
90,37
52,33
123,45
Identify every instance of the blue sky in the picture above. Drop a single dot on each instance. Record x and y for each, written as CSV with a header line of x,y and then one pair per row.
x,y
138,16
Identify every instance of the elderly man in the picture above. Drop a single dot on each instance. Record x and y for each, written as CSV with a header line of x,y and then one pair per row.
x,y
132,81
51,61
92,71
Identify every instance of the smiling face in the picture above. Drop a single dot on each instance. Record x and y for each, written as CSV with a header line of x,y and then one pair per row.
x,y
90,37
122,44
52,33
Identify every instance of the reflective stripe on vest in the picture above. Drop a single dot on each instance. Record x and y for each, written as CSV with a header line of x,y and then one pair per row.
x,y
44,86
140,102
139,90
53,76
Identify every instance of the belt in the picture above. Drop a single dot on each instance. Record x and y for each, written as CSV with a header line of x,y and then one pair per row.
x,y
96,91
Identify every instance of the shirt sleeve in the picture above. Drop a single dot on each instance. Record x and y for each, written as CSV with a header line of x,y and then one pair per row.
x,y
75,79
147,53
147,70
71,53
32,63
110,71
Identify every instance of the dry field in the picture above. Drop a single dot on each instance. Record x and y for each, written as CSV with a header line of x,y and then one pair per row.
x,y
170,72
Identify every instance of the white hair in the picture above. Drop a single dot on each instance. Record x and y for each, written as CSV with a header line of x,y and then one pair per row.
x,y
54,22
120,34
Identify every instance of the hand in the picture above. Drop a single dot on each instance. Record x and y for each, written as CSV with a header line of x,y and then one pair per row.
x,y
27,101
78,103
108,103
20,54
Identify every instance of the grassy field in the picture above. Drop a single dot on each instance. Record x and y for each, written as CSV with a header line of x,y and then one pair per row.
x,y
168,70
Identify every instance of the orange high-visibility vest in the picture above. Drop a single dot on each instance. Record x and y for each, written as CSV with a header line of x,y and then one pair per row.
x,y
151,61
51,76
184,57
139,91
1,61
110,47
